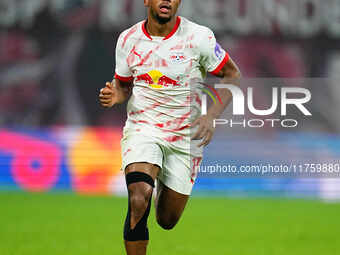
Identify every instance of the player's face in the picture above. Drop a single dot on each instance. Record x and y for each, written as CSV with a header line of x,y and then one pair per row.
x,y
162,10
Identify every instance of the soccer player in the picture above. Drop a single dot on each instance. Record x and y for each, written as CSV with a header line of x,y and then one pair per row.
x,y
160,66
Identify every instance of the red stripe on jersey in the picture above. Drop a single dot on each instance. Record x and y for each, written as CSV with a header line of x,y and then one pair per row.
x,y
145,31
175,138
178,22
140,121
220,66
181,128
123,79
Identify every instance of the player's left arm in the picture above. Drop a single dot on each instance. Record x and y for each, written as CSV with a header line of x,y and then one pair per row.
x,y
230,74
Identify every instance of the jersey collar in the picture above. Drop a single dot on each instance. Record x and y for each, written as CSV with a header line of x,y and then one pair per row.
x,y
178,22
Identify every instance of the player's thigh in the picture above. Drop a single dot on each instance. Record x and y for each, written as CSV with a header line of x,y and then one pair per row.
x,y
175,183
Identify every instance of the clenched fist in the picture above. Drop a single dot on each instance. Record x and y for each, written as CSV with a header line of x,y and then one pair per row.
x,y
108,95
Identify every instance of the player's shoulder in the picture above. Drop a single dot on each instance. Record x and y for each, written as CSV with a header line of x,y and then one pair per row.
x,y
130,33
132,29
189,26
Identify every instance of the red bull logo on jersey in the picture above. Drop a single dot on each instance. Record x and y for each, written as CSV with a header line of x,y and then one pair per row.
x,y
157,79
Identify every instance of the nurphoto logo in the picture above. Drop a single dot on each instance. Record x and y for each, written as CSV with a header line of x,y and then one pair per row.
x,y
288,96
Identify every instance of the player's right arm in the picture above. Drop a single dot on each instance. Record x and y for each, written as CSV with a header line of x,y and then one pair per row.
x,y
115,92
119,90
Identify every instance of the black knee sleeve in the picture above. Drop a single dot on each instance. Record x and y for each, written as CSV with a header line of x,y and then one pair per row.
x,y
140,232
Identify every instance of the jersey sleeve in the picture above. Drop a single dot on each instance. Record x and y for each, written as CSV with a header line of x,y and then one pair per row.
x,y
122,72
212,56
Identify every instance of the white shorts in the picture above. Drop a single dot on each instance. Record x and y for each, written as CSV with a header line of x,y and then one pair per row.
x,y
178,160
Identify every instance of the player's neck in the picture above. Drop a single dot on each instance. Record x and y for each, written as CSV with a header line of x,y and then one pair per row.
x,y
154,28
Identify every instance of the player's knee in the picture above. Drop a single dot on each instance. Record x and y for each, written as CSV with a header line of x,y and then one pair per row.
x,y
139,195
167,222
166,225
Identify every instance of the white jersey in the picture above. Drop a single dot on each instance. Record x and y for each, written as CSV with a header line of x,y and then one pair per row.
x,y
166,73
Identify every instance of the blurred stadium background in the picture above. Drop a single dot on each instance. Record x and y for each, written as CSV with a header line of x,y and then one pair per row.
x,y
55,55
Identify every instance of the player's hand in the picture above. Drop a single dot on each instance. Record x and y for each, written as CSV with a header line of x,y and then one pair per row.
x,y
107,95
205,130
